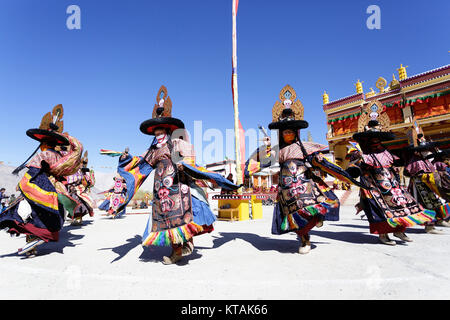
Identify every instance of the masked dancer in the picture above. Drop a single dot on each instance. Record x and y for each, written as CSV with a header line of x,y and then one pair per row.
x,y
388,206
37,212
180,209
79,187
304,200
425,182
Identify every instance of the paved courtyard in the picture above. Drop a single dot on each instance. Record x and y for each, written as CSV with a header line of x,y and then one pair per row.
x,y
104,259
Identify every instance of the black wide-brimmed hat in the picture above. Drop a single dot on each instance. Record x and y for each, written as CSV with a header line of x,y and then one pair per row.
x,y
48,137
372,131
162,115
368,135
170,124
423,146
289,124
50,130
444,143
440,155
416,139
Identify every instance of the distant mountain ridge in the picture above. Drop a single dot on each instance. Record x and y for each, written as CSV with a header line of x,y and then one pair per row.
x,y
8,180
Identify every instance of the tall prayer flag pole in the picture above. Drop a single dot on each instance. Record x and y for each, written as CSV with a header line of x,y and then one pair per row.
x,y
237,124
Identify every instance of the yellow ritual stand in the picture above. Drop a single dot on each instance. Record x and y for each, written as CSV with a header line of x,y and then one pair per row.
x,y
237,207
233,207
256,203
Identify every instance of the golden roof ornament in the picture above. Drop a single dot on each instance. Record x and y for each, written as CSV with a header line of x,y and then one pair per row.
x,y
325,98
380,84
359,88
371,93
402,72
394,83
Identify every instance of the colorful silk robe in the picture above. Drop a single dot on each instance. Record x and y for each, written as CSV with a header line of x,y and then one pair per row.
x,y
78,186
38,210
116,198
426,186
388,205
444,174
172,210
303,197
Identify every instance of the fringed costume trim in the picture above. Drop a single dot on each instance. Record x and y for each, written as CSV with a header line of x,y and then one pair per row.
x,y
178,235
443,211
413,219
299,219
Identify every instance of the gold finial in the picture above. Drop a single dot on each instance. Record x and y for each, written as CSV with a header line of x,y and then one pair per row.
x,y
402,72
380,84
394,83
370,93
325,98
359,88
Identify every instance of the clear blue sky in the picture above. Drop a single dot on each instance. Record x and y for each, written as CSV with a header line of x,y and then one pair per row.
x,y
107,74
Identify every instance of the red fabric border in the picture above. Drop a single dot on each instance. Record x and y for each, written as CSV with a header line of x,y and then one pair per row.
x,y
303,231
384,227
29,229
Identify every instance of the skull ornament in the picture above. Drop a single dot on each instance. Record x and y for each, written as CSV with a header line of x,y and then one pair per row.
x,y
398,197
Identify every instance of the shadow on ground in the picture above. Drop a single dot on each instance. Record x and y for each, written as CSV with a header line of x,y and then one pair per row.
x,y
123,249
149,254
416,230
421,230
346,236
76,227
260,243
155,254
366,227
106,217
66,239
